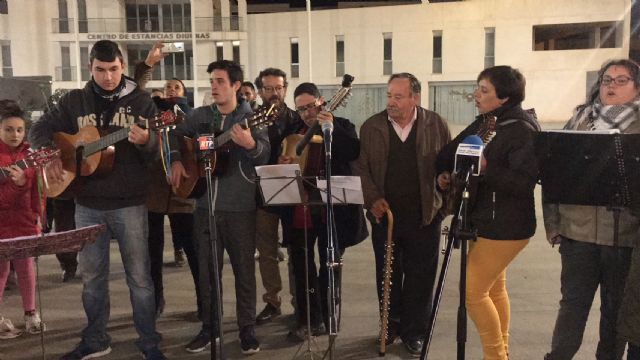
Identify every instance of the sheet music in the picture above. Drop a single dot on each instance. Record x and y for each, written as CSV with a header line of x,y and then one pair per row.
x,y
344,190
278,184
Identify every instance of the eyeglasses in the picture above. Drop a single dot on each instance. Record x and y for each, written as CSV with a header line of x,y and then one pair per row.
x,y
270,89
303,108
618,80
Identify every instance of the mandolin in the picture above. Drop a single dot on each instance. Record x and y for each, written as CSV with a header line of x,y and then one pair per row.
x,y
38,158
91,152
194,186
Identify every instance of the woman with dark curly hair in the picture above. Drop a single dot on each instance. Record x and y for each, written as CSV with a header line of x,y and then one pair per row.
x,y
585,233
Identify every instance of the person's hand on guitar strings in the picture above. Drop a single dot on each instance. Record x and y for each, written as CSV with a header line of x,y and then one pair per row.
x,y
138,135
242,137
324,116
17,175
444,180
54,170
177,173
284,159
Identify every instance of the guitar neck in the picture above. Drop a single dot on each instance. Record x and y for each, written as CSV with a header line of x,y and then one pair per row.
x,y
225,137
104,142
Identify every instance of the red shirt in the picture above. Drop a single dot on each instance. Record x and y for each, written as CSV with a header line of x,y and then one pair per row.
x,y
19,205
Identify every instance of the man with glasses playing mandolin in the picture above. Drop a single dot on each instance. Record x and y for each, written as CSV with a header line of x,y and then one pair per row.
x,y
349,219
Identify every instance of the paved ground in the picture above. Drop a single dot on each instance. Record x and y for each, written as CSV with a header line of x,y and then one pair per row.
x,y
533,281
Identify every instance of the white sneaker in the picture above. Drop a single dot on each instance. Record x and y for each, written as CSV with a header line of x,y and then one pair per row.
x,y
33,324
7,330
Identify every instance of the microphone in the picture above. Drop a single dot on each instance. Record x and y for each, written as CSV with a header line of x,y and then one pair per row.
x,y
327,130
307,137
468,156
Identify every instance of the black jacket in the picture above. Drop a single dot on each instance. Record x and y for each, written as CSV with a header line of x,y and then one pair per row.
x,y
126,184
350,224
501,202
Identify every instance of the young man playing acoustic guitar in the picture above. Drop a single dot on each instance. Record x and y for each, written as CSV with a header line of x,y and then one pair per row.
x,y
110,102
234,202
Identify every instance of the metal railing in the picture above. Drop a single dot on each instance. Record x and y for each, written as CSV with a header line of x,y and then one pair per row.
x,y
209,24
65,73
62,25
436,66
102,25
119,25
340,68
387,67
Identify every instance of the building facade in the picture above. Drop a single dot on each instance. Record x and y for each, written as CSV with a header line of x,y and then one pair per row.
x,y
558,45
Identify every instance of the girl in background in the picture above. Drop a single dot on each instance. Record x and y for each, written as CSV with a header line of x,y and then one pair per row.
x,y
19,213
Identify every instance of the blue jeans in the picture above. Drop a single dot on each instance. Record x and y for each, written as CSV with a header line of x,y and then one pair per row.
x,y
129,227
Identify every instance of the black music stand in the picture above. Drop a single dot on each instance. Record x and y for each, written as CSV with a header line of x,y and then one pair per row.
x,y
583,168
284,185
593,169
45,244
459,232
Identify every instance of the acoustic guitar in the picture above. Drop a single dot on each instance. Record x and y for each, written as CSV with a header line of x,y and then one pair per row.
x,y
194,186
90,152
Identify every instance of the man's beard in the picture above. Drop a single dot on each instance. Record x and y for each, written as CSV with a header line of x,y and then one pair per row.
x,y
275,100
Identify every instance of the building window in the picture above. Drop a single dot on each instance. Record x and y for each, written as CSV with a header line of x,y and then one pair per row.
x,y
295,58
66,71
83,25
176,17
437,52
84,63
489,47
63,17
236,51
4,7
339,55
7,70
606,34
387,64
219,51
143,16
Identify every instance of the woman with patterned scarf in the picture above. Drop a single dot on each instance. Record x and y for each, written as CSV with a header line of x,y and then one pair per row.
x,y
585,233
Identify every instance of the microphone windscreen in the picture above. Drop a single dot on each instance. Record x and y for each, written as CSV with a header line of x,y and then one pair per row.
x,y
473,140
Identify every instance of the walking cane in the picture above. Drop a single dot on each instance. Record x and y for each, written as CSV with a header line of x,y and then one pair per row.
x,y
386,284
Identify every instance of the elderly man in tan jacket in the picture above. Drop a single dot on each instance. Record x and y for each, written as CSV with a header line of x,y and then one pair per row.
x,y
397,166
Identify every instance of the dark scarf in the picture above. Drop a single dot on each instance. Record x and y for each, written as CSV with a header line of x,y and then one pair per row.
x,y
109,95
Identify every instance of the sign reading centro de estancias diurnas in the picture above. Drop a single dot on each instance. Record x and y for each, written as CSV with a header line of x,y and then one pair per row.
x,y
146,36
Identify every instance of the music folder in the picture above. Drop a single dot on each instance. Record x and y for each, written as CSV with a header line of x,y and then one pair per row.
x,y
278,184
344,190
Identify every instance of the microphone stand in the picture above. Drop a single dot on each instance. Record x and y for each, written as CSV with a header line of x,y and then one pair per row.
x,y
333,263
457,236
215,291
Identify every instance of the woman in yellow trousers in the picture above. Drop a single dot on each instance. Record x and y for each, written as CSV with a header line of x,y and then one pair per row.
x,y
501,206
